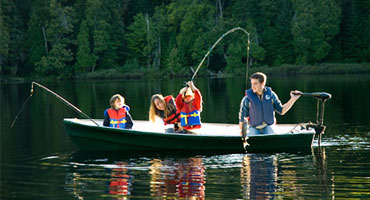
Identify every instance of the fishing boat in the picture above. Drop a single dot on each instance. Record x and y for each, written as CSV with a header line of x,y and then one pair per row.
x,y
91,135
212,137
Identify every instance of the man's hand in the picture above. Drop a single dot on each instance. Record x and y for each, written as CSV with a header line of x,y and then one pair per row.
x,y
295,94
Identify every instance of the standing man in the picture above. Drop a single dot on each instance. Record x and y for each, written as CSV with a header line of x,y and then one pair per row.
x,y
259,105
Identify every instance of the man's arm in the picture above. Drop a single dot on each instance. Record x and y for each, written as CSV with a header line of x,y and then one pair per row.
x,y
289,104
244,111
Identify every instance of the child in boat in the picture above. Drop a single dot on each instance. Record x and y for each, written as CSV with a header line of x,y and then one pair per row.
x,y
165,109
189,103
118,116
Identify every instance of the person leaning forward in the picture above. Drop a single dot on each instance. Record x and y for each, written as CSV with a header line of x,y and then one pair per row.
x,y
259,105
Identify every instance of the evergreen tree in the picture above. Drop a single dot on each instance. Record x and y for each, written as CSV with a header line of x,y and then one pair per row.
x,y
4,34
85,60
12,51
137,38
314,24
58,28
35,42
355,26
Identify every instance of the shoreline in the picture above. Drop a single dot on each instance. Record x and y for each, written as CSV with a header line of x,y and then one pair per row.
x,y
283,70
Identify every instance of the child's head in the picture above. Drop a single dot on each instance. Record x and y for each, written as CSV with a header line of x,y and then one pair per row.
x,y
117,101
158,102
187,94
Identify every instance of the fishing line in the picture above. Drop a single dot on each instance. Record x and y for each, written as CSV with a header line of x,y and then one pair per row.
x,y
59,97
16,117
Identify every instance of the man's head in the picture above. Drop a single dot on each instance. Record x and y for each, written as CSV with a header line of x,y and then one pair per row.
x,y
258,82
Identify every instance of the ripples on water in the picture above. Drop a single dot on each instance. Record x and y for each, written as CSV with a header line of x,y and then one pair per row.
x,y
317,175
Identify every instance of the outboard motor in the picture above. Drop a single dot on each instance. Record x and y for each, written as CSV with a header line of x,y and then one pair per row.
x,y
319,125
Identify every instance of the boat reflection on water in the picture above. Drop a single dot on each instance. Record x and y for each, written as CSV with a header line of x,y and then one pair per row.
x,y
277,176
120,182
102,180
258,176
183,179
326,182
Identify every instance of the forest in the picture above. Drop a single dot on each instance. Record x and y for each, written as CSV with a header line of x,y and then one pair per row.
x,y
64,39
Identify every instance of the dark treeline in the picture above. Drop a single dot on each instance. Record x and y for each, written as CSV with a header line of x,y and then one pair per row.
x,y
68,38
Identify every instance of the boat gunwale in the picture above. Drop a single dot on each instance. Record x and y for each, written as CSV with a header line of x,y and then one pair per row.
x,y
173,134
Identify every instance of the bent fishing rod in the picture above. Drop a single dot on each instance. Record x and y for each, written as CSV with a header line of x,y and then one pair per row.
x,y
244,129
56,95
218,41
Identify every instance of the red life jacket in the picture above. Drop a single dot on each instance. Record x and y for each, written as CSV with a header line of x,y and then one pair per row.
x,y
190,116
174,117
117,118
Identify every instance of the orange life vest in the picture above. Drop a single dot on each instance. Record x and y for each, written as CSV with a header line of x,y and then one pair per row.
x,y
117,118
190,117
174,117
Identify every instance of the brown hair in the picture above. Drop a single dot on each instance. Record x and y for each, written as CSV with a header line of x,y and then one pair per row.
x,y
153,111
114,98
261,77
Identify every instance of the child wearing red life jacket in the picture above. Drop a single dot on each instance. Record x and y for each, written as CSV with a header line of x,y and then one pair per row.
x,y
189,103
118,116
164,108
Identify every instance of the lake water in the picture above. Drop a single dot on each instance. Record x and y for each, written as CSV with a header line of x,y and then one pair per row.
x,y
38,160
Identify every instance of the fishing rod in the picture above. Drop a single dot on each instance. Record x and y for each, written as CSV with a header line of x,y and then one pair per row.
x,y
244,130
56,95
218,41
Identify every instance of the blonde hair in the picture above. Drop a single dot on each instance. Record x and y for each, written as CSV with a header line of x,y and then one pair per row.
x,y
114,98
153,111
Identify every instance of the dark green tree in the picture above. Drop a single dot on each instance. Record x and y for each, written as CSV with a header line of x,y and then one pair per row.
x,y
58,30
355,26
35,42
314,24
85,59
12,51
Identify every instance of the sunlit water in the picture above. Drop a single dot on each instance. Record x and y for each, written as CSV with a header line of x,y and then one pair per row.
x,y
38,160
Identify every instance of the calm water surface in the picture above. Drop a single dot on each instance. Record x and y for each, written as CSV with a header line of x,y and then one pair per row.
x,y
38,160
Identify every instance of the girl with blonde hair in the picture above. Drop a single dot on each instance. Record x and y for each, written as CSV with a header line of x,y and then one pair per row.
x,y
164,108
